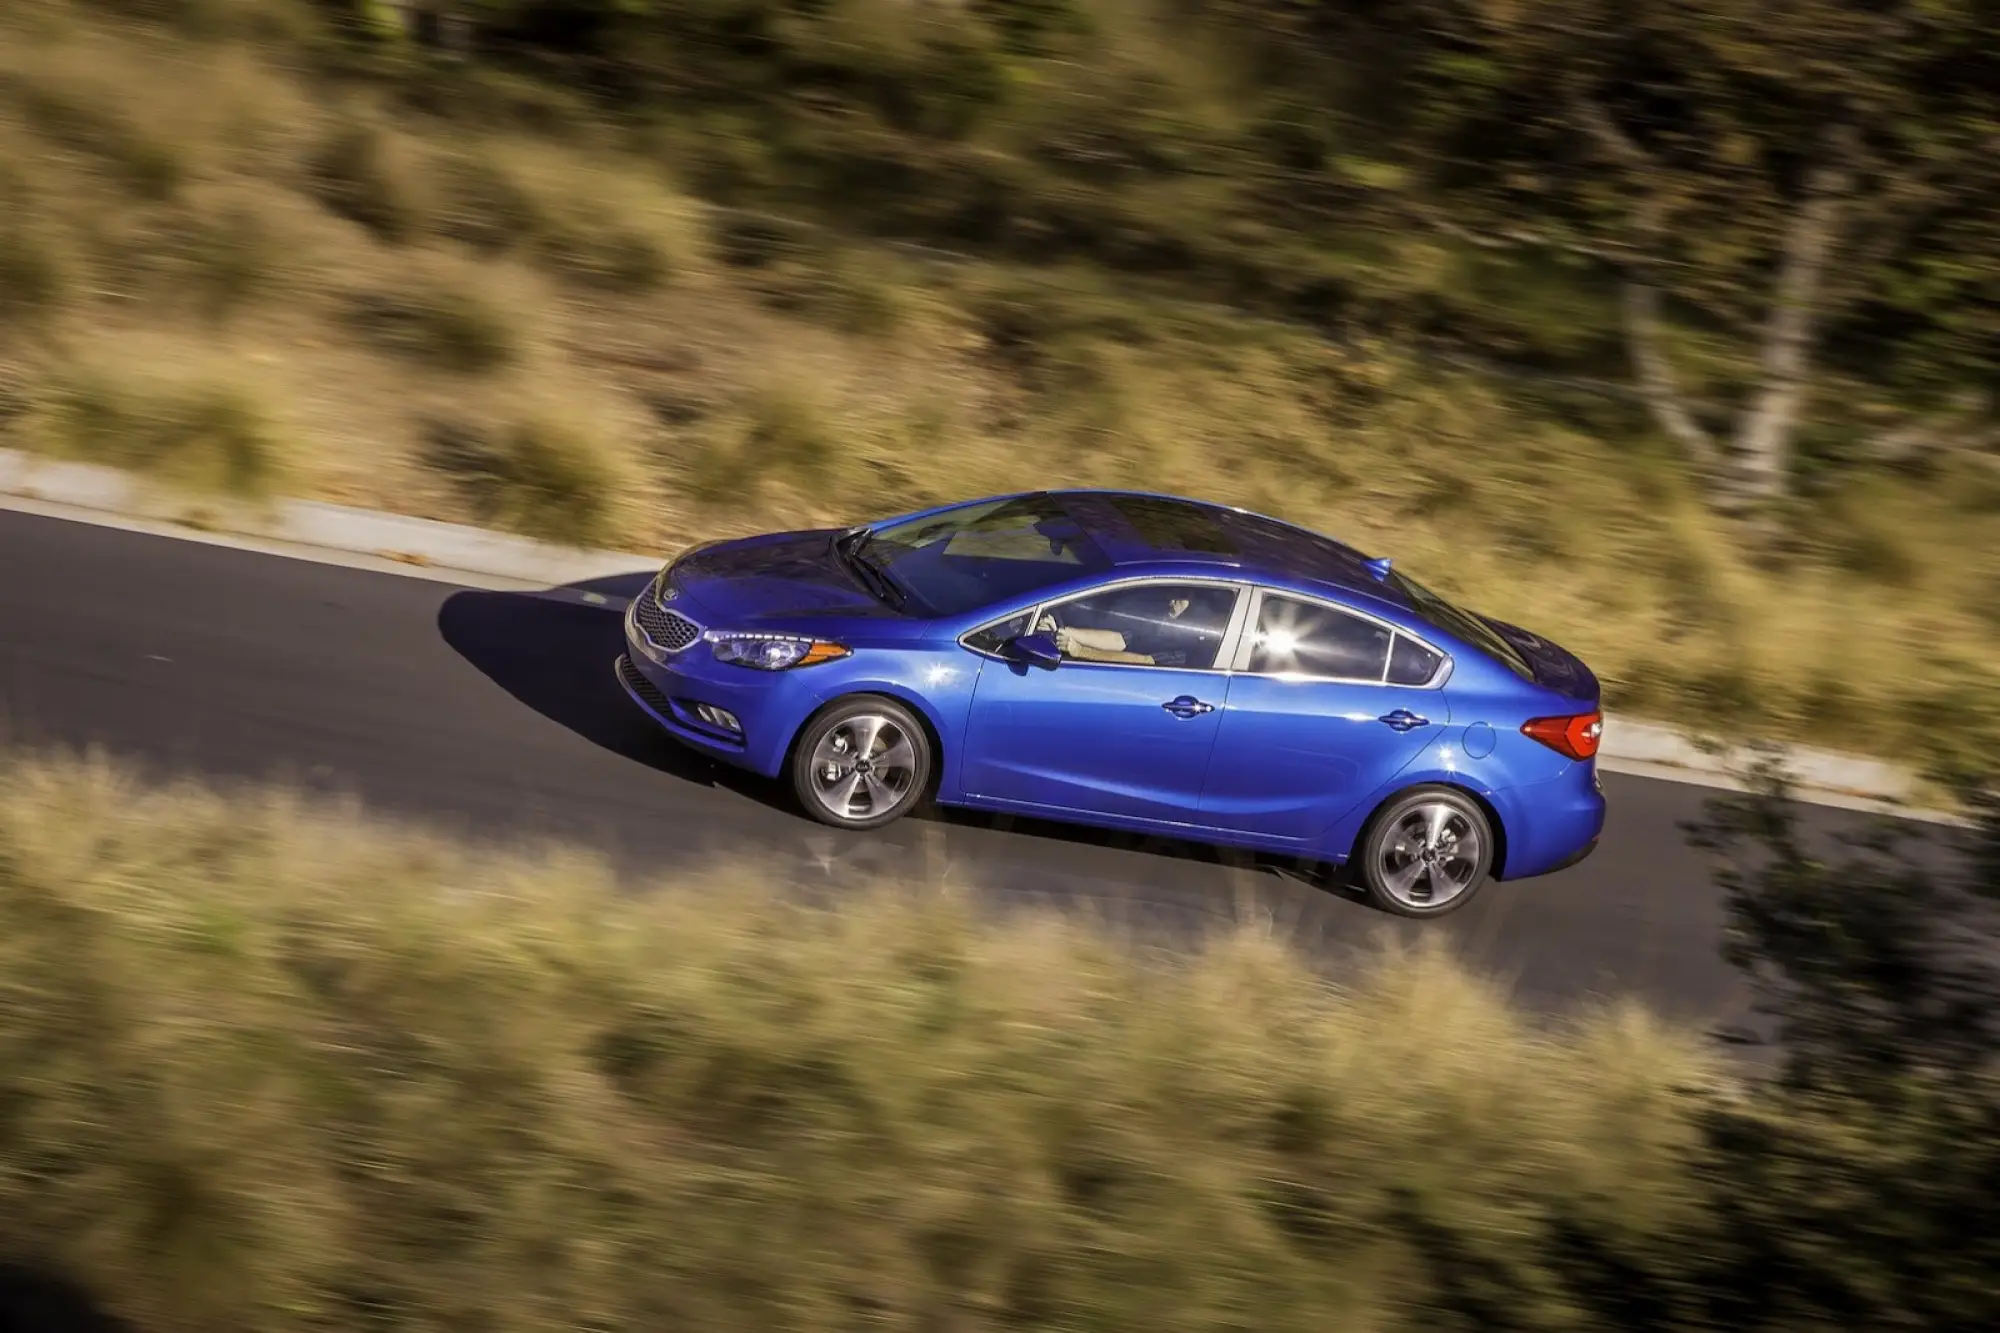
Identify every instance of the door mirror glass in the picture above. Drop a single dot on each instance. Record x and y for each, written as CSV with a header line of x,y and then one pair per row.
x,y
1036,650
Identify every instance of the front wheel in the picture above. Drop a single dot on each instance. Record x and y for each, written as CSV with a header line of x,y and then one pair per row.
x,y
862,763
1426,854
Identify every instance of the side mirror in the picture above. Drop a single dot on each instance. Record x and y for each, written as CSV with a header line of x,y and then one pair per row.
x,y
1037,650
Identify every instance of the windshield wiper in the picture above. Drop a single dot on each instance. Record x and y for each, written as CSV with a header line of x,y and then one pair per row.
x,y
879,583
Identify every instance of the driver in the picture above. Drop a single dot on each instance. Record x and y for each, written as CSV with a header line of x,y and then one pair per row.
x,y
1091,645
1169,641
1174,638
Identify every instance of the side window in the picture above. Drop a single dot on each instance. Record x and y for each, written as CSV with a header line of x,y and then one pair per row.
x,y
990,639
1144,624
1303,638
1410,663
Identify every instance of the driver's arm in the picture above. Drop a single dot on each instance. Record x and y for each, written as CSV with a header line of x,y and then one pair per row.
x,y
1097,645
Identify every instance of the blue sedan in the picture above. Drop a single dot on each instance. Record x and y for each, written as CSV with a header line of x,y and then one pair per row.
x,y
1131,661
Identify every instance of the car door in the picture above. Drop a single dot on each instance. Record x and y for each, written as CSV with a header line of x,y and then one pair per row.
x,y
1326,706
1126,738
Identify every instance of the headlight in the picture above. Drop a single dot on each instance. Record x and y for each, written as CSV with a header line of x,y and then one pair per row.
x,y
771,652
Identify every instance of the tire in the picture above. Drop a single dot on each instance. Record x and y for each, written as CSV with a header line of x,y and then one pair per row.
x,y
831,787
1391,863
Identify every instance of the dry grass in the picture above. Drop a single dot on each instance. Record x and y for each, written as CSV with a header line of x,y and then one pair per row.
x,y
262,1066
205,437
738,375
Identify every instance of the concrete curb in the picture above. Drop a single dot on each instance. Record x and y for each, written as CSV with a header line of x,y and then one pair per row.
x,y
457,553
418,543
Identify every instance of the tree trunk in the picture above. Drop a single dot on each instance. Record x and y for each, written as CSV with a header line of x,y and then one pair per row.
x,y
1764,435
1656,377
1762,441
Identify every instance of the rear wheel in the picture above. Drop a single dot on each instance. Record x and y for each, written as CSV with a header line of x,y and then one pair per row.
x,y
862,763
1426,853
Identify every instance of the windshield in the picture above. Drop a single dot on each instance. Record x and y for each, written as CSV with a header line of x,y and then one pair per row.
x,y
978,554
1452,620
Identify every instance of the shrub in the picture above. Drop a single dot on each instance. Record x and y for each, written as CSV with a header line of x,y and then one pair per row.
x,y
206,436
775,433
265,1067
85,122
229,261
607,256
484,206
537,478
355,175
35,276
442,326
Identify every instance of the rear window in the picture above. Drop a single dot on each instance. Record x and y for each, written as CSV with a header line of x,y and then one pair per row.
x,y
1410,663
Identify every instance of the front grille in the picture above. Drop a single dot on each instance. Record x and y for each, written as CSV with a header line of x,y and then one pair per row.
x,y
647,692
669,631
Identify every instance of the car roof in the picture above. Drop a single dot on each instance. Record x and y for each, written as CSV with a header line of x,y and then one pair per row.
x,y
1141,530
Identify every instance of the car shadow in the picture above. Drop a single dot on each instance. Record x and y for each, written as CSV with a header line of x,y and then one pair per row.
x,y
552,651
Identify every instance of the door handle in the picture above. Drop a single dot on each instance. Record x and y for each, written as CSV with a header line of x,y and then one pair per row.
x,y
1403,720
1187,706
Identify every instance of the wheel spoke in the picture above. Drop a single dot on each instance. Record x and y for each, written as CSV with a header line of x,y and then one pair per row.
x,y
1435,825
1464,854
865,731
1400,882
879,796
840,799
898,756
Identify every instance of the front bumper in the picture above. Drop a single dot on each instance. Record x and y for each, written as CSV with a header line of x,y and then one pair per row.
x,y
695,698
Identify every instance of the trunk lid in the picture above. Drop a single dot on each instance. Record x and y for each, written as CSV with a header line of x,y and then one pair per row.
x,y
1554,667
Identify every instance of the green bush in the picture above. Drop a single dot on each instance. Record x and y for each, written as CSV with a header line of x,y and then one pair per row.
x,y
355,175
35,276
209,437
442,326
228,261
484,206
606,256
538,479
82,122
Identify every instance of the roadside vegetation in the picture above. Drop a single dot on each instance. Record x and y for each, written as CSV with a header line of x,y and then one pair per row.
x,y
267,1066
1695,384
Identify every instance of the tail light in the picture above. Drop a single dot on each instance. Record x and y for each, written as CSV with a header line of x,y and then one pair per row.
x,y
1577,736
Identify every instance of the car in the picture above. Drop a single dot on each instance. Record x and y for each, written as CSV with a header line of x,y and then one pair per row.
x,y
1131,661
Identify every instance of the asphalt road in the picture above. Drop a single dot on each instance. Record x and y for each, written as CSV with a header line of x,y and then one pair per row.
x,y
496,714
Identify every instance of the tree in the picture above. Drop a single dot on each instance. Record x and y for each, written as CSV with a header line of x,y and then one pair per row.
x,y
1759,171
1861,1188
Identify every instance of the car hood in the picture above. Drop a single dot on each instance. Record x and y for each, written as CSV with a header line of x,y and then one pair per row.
x,y
1555,667
789,577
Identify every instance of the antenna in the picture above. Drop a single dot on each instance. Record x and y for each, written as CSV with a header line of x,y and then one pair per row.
x,y
1379,567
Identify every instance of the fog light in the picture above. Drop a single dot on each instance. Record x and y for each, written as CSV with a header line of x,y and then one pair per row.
x,y
717,717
